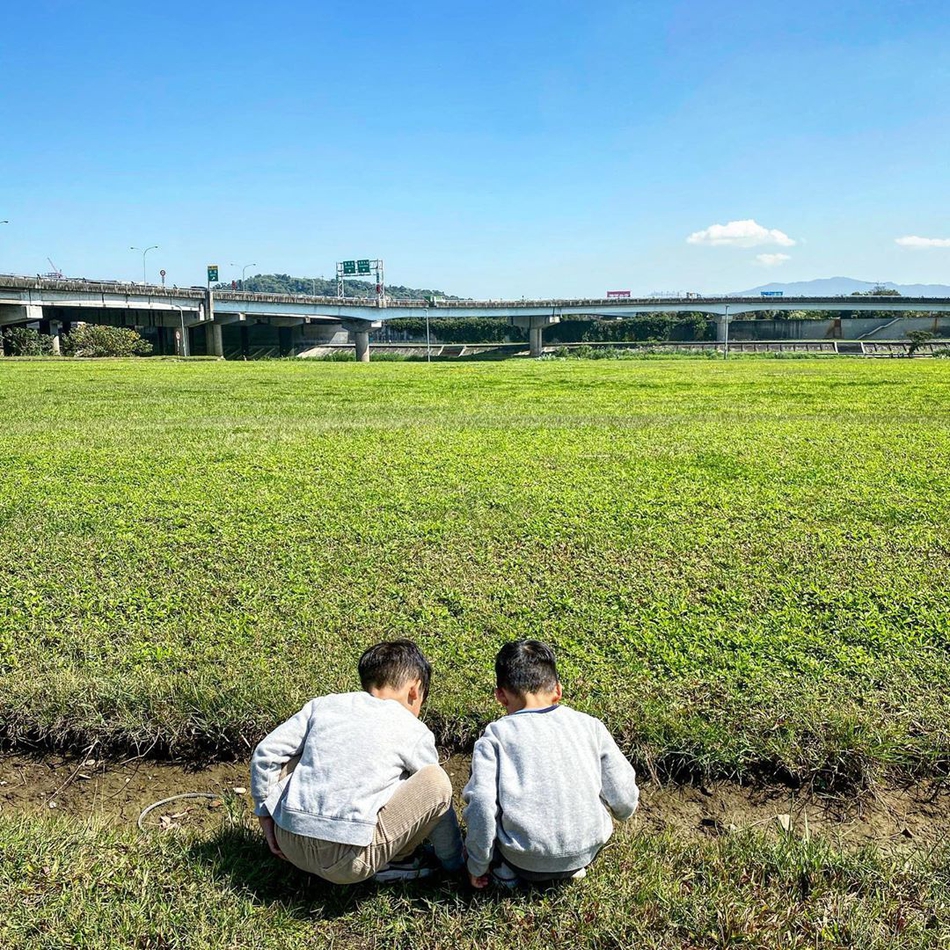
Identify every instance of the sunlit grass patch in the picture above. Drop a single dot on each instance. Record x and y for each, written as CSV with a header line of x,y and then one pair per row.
x,y
744,566
96,886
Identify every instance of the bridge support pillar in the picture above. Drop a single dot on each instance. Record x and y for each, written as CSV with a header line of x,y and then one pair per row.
x,y
55,331
535,340
360,329
535,325
215,340
722,332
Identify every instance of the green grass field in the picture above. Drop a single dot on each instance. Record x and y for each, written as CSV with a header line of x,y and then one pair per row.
x,y
96,887
743,567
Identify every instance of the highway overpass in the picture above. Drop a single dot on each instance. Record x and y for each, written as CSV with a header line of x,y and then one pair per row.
x,y
186,312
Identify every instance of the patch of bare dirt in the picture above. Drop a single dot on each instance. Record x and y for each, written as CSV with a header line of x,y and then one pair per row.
x,y
86,788
916,817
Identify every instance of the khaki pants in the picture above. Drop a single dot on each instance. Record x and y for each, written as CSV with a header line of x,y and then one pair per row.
x,y
421,806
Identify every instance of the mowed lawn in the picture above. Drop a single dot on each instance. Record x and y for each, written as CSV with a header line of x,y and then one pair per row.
x,y
744,566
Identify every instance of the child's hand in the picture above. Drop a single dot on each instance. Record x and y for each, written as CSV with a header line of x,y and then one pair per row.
x,y
478,882
267,826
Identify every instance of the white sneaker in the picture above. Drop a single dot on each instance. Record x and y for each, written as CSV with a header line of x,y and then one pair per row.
x,y
579,875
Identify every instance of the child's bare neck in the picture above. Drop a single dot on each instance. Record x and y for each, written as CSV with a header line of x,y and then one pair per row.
x,y
534,701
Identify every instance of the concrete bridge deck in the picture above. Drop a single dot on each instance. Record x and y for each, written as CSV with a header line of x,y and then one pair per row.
x,y
58,301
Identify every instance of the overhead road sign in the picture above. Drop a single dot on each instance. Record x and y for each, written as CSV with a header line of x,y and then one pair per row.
x,y
361,267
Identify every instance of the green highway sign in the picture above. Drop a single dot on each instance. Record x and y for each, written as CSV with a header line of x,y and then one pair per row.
x,y
349,267
212,273
362,267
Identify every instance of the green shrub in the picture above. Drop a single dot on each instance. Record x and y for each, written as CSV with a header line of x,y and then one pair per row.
x,y
92,340
917,339
22,341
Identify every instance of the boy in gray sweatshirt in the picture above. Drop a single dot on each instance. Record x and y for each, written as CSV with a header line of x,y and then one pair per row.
x,y
546,780
350,786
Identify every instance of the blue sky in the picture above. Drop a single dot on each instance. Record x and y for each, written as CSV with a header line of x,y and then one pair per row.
x,y
487,149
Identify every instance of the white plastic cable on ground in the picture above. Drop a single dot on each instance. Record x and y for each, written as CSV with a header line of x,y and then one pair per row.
x,y
173,798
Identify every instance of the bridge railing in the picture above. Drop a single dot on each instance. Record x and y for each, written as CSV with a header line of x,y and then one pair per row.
x,y
656,304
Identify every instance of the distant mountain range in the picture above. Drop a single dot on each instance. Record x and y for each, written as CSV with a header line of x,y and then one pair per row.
x,y
840,286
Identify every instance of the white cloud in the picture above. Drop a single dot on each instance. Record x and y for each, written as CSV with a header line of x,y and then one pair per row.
x,y
913,241
747,233
772,260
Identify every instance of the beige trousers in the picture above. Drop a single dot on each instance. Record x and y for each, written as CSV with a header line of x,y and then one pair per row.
x,y
403,823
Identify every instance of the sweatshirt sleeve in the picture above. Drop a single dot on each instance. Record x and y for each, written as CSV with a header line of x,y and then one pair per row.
x,y
618,778
423,753
481,807
273,752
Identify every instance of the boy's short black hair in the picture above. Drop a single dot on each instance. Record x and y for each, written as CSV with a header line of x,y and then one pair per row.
x,y
392,663
526,666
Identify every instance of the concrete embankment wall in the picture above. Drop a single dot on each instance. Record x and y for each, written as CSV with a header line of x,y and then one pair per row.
x,y
861,328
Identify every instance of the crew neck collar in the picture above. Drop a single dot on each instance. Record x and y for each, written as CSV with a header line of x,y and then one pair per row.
x,y
545,709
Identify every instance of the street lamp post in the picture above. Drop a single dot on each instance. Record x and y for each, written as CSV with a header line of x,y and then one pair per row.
x,y
182,349
153,247
243,272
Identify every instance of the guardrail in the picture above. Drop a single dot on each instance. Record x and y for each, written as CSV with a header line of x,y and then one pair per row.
x,y
653,303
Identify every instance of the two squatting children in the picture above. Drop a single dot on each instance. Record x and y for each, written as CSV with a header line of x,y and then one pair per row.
x,y
350,787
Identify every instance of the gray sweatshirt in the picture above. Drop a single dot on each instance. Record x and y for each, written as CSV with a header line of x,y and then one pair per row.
x,y
544,785
354,751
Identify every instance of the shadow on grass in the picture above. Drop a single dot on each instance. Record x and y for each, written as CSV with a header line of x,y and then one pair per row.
x,y
238,858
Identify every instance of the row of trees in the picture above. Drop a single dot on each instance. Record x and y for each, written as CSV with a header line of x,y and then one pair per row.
x,y
649,328
463,330
878,291
85,340
655,327
324,287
